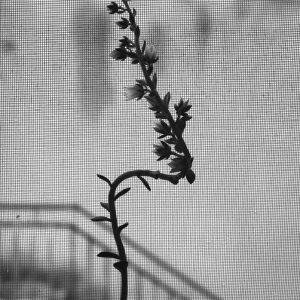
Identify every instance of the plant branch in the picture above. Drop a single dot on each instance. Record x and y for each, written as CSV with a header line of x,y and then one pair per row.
x,y
162,105
181,164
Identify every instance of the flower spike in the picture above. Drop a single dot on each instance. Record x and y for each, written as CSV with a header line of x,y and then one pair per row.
x,y
173,146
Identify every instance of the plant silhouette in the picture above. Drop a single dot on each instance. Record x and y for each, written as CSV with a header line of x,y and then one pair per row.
x,y
171,143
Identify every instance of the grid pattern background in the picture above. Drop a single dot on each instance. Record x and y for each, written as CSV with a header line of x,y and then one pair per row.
x,y
233,234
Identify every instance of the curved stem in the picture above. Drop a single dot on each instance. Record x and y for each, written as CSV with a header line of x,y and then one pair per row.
x,y
113,216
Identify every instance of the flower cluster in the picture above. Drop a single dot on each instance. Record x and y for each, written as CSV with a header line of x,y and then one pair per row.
x,y
114,8
146,55
180,163
128,49
127,46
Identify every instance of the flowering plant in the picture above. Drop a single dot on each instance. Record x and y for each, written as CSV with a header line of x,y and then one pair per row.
x,y
171,146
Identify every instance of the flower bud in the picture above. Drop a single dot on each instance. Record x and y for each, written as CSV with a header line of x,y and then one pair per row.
x,y
113,8
135,91
123,24
178,164
125,42
119,54
150,54
190,176
163,150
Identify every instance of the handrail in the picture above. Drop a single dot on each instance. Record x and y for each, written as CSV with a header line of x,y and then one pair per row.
x,y
203,291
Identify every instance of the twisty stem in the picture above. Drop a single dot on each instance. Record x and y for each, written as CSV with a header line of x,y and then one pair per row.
x,y
174,179
113,216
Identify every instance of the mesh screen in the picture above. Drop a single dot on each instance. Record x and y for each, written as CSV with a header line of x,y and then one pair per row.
x,y
64,118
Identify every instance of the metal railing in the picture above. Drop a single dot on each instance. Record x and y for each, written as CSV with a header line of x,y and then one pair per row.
x,y
146,282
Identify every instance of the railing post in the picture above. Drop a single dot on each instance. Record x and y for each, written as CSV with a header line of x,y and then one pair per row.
x,y
139,293
90,267
16,262
72,280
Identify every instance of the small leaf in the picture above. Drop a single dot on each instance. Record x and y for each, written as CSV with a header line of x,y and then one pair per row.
x,y
122,193
134,12
154,80
190,176
166,127
162,136
165,145
135,61
144,47
172,140
104,178
131,18
162,150
154,108
167,99
121,228
145,182
121,265
162,128
141,82
105,205
161,115
100,219
108,254
180,110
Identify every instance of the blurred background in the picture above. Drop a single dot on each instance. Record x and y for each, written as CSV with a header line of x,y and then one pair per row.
x,y
233,234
